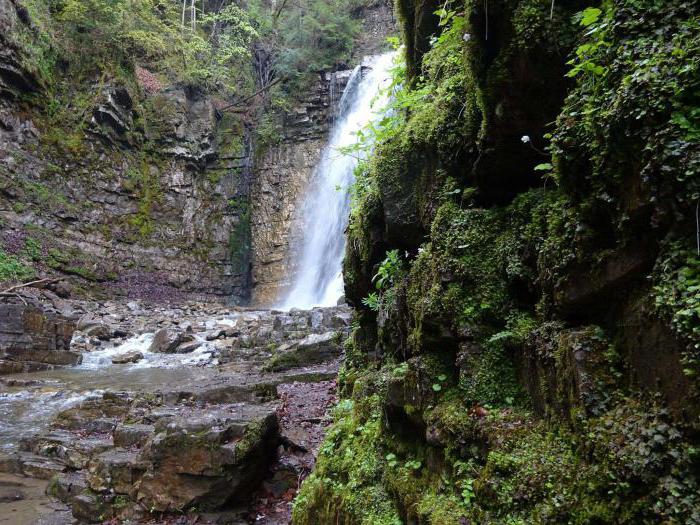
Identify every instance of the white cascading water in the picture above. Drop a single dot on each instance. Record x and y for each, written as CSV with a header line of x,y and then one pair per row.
x,y
319,281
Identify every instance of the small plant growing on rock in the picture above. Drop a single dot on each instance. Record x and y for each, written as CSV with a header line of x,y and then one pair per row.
x,y
388,271
467,491
437,387
372,301
387,275
413,464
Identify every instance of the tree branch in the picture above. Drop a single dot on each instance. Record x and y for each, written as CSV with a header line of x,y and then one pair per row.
x,y
243,101
10,291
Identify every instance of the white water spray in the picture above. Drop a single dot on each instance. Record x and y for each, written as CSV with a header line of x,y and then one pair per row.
x,y
319,281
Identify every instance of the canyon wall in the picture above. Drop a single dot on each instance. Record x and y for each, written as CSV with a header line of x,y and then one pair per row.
x,y
161,195
142,202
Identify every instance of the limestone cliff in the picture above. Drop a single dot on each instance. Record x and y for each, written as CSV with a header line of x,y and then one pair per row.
x,y
141,202
147,189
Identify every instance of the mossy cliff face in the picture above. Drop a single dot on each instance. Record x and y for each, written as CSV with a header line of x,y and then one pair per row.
x,y
127,183
533,355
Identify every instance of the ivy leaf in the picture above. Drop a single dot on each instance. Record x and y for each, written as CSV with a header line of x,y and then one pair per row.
x,y
590,16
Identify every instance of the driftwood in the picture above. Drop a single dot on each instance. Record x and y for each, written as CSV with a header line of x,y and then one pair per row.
x,y
12,290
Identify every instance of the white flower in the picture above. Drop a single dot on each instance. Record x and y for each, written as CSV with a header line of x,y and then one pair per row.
x,y
525,139
467,37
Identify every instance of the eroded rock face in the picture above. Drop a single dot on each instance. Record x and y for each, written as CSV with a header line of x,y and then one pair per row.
x,y
186,121
34,337
15,76
99,200
113,117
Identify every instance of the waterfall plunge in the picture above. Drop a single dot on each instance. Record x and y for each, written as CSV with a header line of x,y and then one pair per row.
x,y
319,281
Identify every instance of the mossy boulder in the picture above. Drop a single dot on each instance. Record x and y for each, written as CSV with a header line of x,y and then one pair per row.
x,y
207,460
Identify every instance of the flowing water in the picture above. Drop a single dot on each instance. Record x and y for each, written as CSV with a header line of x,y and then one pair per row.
x,y
28,402
327,205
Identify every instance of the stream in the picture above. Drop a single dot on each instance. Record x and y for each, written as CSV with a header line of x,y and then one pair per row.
x,y
28,402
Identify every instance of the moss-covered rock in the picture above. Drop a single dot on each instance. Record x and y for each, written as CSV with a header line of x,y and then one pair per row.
x,y
535,360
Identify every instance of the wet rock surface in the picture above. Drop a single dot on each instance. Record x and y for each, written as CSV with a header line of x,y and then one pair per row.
x,y
34,336
217,435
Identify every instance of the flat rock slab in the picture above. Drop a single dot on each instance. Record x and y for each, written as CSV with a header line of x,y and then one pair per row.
x,y
132,435
311,350
31,465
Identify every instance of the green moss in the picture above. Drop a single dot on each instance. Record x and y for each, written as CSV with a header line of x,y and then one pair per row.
x,y
495,281
346,485
144,181
282,361
491,378
646,91
13,269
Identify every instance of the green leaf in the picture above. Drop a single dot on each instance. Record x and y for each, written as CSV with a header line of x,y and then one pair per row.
x,y
590,16
545,166
437,387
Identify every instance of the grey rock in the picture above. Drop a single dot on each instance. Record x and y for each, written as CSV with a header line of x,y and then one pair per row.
x,y
188,347
133,435
208,459
167,341
129,357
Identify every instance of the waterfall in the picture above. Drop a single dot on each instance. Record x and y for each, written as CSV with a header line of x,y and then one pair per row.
x,y
319,281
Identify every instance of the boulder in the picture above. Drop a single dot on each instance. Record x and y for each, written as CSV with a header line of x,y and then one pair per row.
x,y
34,336
188,347
100,331
67,484
208,458
129,357
115,470
166,341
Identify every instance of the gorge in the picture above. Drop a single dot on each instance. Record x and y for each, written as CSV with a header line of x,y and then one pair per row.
x,y
349,262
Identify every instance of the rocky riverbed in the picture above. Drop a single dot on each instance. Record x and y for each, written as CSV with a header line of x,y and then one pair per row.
x,y
163,414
